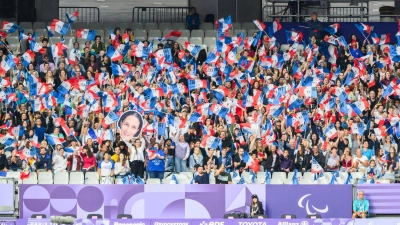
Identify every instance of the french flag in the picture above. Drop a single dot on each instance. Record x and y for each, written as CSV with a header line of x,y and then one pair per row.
x,y
210,141
9,27
193,49
196,117
331,132
261,26
342,42
357,128
72,17
38,89
61,122
36,47
172,36
294,102
60,27
276,26
359,106
53,140
224,24
27,57
363,27
109,119
309,91
86,34
113,54
197,83
332,29
371,81
137,49
231,58
380,132
384,39
72,57
7,63
23,36
294,36
230,118
246,127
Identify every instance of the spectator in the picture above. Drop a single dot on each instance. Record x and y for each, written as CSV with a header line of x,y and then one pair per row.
x,y
255,165
136,159
333,160
225,160
192,20
394,160
366,151
74,162
195,160
43,161
116,154
170,155
360,206
121,168
182,152
238,162
317,156
203,177
106,169
214,159
89,161
299,158
4,166
315,26
360,162
372,171
156,165
388,173
98,45
347,161
60,161
273,160
286,164
222,176
14,161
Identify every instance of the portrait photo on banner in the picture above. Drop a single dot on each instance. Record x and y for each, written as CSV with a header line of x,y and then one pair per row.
x,y
130,125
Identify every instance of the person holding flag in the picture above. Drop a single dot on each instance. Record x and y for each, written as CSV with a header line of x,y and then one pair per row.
x,y
315,155
156,164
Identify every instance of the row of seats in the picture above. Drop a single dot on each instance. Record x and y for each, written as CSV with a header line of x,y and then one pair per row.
x,y
135,26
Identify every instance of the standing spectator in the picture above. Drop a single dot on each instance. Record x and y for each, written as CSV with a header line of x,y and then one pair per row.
x,y
43,161
121,168
136,159
366,151
222,176
89,161
106,169
4,166
14,161
193,20
182,151
214,159
286,163
60,161
315,26
360,162
98,45
319,157
170,155
203,177
238,162
195,160
360,206
156,165
225,160
75,162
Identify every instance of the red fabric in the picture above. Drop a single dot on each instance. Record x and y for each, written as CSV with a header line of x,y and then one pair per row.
x,y
88,162
255,166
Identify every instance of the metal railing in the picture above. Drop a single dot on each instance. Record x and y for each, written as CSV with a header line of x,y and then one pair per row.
x,y
86,14
159,14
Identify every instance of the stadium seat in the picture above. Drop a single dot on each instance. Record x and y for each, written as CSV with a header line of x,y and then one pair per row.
x,y
80,25
356,175
55,39
248,26
328,176
25,25
109,25
165,26
154,33
45,178
182,40
276,181
197,33
211,47
288,181
185,33
76,178
123,26
153,181
322,180
279,175
94,216
137,26
91,177
61,177
211,33
305,181
166,181
96,26
40,32
196,40
308,176
39,25
13,42
139,33
124,216
184,181
206,26
32,179
165,32
151,26
290,175
209,41
236,26
81,42
189,175
260,178
344,175
246,176
178,26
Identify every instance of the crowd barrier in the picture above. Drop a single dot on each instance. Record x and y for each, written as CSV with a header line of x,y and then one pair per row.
x,y
323,221
184,201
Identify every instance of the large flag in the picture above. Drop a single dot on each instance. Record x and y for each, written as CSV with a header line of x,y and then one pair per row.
x,y
172,36
260,25
86,34
9,27
363,28
274,28
315,167
224,24
60,27
332,29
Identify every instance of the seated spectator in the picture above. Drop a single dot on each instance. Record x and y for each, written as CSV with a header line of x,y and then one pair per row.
x,y
14,161
43,161
255,165
319,157
273,160
226,160
106,169
222,176
366,151
286,163
360,162
203,177
192,20
388,173
347,161
195,160
332,160
116,154
121,168
60,161
74,162
372,172
98,45
360,206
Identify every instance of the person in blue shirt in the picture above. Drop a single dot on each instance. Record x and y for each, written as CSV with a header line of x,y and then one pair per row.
x,y
43,161
315,26
39,130
156,165
360,206
203,177
193,20
366,151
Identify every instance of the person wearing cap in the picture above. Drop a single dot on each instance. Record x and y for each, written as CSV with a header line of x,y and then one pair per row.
x,y
256,207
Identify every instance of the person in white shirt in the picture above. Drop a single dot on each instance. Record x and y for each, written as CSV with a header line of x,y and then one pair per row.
x,y
121,168
137,157
360,162
60,161
106,169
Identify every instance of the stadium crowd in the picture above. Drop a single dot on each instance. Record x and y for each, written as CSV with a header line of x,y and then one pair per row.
x,y
248,105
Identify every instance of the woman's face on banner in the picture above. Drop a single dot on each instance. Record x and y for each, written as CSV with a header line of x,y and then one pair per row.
x,y
129,127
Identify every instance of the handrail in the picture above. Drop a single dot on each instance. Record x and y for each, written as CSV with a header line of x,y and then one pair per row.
x,y
86,14
143,14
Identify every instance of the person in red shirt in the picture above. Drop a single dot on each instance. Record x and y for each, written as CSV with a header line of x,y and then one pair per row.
x,y
255,166
89,161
